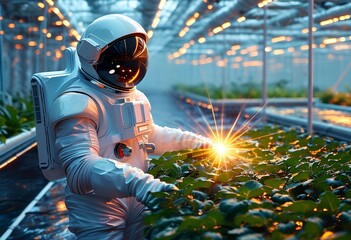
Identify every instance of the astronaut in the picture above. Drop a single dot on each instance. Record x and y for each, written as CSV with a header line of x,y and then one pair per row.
x,y
104,131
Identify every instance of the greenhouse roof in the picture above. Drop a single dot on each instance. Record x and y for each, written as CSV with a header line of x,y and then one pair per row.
x,y
191,27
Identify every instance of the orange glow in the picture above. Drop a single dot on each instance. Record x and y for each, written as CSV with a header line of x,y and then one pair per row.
x,y
201,40
278,39
150,33
278,52
17,156
18,46
66,23
59,38
60,206
58,54
235,47
190,21
18,37
32,43
50,2
183,32
41,5
217,29
11,25
253,64
226,25
41,18
241,19
58,23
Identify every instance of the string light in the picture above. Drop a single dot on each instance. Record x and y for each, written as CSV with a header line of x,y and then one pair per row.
x,y
335,19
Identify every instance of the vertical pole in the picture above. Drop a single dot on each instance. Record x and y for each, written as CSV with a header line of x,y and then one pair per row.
x,y
310,67
264,66
45,26
2,80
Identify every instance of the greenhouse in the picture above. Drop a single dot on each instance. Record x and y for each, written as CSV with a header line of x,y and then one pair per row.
x,y
175,119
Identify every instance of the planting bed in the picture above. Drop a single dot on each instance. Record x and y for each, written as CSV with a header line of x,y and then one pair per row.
x,y
279,184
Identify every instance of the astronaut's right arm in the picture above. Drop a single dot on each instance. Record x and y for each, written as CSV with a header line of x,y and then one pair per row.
x,y
77,146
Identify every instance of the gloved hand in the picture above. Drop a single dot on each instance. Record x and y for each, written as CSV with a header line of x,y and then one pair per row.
x,y
115,179
151,201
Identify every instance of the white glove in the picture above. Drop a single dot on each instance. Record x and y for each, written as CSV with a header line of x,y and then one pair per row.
x,y
118,180
172,139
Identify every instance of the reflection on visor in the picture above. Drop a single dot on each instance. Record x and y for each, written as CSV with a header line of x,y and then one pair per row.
x,y
123,63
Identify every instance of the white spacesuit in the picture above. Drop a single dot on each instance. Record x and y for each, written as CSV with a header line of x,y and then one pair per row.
x,y
103,132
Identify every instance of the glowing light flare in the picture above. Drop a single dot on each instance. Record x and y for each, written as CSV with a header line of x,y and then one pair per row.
x,y
306,30
61,206
150,33
58,23
18,37
66,23
50,2
220,148
264,3
190,21
226,25
32,43
222,151
241,19
156,20
217,29
161,4
201,40
41,5
335,19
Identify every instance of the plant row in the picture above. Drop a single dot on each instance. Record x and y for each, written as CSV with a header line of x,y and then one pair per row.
x,y
281,184
276,90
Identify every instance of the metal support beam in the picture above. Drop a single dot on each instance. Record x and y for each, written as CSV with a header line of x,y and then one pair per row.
x,y
2,62
264,66
310,67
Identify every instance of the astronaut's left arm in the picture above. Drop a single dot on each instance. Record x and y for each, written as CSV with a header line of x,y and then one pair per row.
x,y
171,139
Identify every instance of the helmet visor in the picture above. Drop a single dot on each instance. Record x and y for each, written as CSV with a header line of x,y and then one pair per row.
x,y
123,63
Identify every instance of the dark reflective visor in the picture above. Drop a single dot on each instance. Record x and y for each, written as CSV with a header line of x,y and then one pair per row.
x,y
123,63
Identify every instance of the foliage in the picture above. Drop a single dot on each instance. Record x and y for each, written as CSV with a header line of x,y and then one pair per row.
x,y
338,98
282,185
16,116
244,90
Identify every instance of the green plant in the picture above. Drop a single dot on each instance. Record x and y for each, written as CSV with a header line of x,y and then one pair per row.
x,y
332,97
281,184
244,90
15,117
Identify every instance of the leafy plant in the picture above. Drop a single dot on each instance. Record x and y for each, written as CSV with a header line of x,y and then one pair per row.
x,y
338,98
282,184
15,117
244,90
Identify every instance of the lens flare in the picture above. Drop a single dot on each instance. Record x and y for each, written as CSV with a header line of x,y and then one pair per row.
x,y
220,148
231,145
